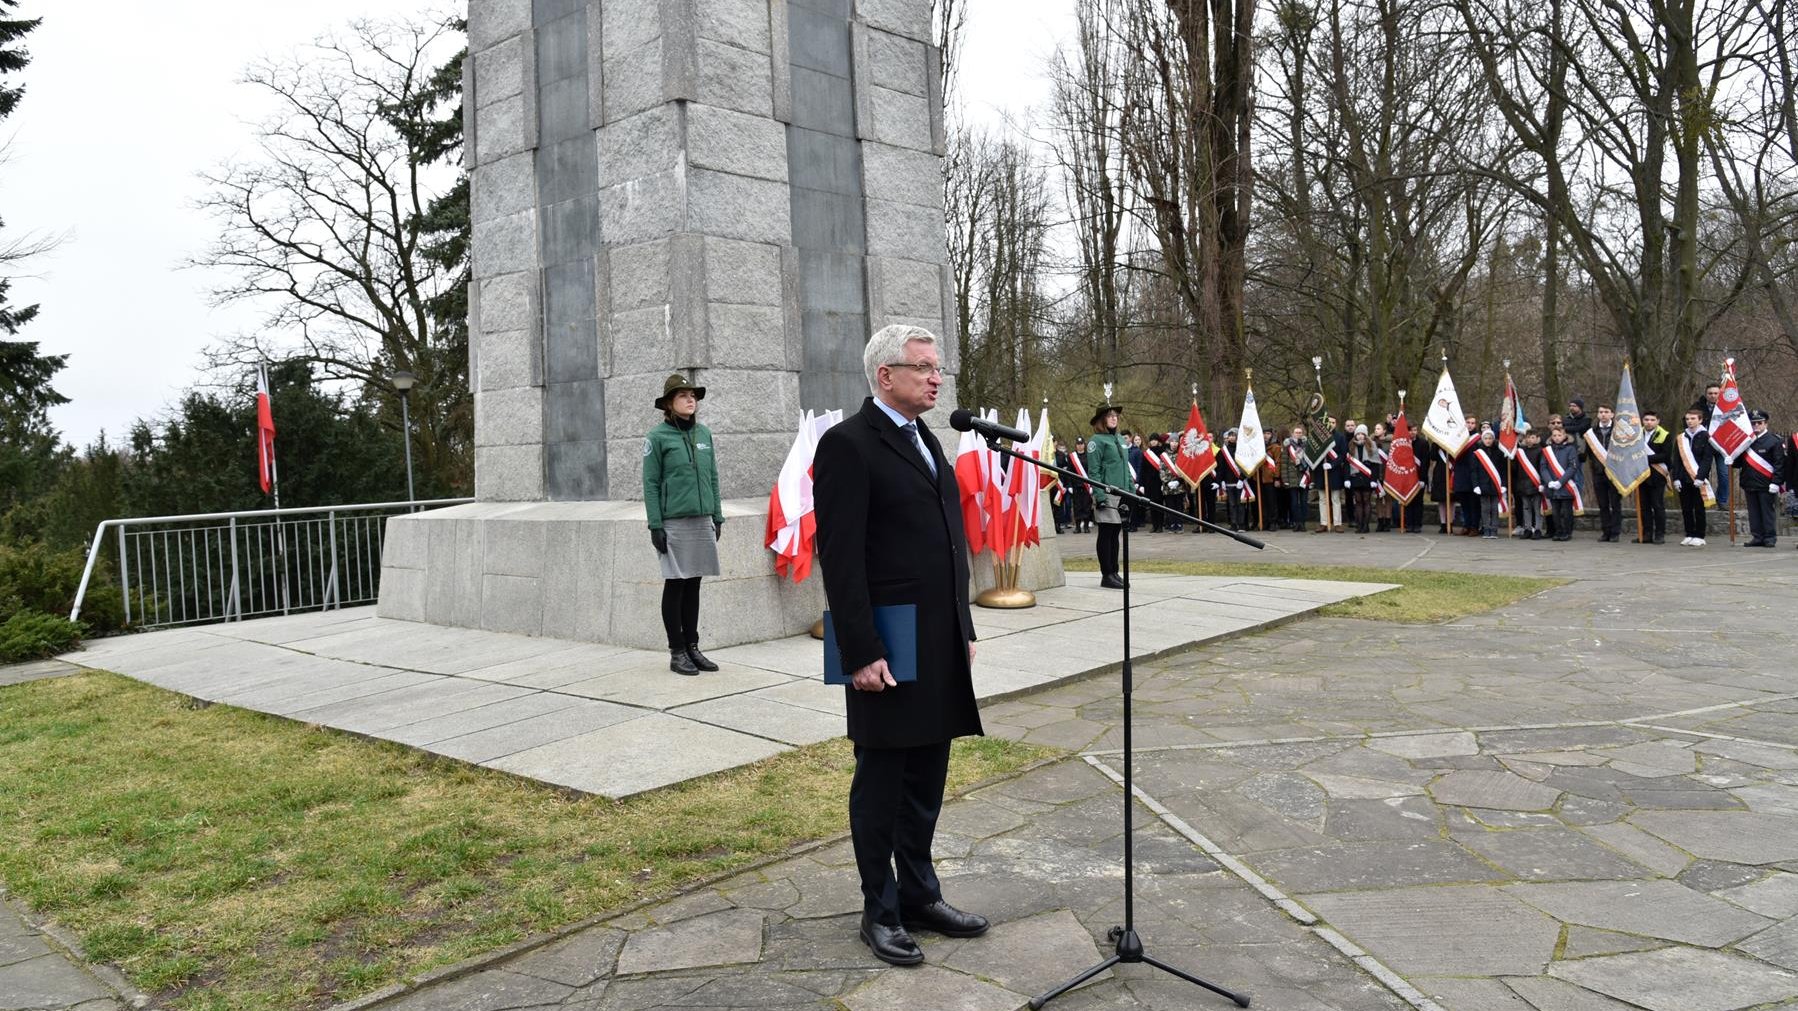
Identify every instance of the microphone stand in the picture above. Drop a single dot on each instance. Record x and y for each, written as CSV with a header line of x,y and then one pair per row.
x,y
1129,946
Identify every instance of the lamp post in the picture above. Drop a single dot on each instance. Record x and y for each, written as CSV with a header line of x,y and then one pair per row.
x,y
403,381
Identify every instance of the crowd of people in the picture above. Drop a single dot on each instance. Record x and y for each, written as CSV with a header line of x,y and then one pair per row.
x,y
1553,474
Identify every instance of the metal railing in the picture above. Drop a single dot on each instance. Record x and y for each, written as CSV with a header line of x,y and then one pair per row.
x,y
212,567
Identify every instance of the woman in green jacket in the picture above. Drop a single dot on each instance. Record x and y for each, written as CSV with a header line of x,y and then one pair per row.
x,y
686,516
1107,462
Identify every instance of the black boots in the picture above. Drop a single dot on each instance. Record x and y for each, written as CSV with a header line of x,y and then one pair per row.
x,y
699,659
680,663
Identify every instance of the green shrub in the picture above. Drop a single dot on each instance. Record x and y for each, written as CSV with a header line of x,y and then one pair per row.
x,y
33,635
37,578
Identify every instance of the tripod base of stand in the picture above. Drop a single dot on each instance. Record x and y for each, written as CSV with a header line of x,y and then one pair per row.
x,y
1129,949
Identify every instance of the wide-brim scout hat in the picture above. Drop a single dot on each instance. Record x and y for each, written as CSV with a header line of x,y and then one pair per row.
x,y
675,382
1103,409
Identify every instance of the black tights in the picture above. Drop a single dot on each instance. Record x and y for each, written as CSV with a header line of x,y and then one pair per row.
x,y
1108,547
680,612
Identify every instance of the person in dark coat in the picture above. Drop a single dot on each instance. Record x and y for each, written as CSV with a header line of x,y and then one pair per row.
x,y
1465,499
1692,461
1610,500
1707,406
1653,520
1362,473
1761,464
890,533
1081,495
1488,482
1562,476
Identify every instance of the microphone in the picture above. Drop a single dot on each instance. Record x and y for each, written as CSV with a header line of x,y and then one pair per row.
x,y
962,420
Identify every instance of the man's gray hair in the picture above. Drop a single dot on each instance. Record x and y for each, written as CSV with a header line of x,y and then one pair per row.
x,y
888,346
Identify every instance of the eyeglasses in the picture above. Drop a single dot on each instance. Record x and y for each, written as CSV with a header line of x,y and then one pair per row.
x,y
921,368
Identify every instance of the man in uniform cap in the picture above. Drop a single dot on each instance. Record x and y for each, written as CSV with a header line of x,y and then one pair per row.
x,y
1761,463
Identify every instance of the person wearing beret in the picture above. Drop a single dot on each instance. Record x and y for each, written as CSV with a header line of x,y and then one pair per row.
x,y
1761,464
1108,462
686,515
890,535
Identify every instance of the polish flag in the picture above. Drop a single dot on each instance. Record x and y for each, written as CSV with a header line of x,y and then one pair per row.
x,y
1026,483
970,483
1001,504
1730,430
265,434
1198,457
792,527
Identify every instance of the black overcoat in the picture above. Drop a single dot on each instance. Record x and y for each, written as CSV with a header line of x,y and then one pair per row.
x,y
889,533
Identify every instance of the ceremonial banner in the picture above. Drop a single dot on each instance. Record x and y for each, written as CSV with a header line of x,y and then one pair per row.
x,y
1251,442
1511,422
1730,431
1626,459
1445,424
1198,457
1401,480
1319,442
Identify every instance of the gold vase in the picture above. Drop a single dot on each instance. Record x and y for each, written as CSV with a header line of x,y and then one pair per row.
x,y
1006,597
818,629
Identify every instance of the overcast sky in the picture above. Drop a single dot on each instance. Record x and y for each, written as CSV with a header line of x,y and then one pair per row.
x,y
128,101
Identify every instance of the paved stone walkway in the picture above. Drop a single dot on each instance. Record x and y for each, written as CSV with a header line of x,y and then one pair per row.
x,y
595,718
37,975
1583,802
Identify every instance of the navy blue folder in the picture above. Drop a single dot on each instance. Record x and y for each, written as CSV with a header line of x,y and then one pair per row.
x,y
897,625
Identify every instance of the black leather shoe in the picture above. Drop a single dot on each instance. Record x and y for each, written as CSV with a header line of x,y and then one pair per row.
x,y
699,659
1112,583
891,945
942,918
680,663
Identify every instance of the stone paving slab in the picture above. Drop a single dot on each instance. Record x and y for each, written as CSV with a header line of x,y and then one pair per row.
x,y
527,705
37,670
37,975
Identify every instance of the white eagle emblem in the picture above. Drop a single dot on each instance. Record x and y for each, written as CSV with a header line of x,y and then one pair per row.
x,y
1193,443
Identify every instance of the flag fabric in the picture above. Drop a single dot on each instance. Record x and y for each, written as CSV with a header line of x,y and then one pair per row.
x,y
1730,431
1445,424
1251,441
791,531
1511,422
1626,459
1320,441
970,482
1026,484
265,433
1400,480
1198,456
997,497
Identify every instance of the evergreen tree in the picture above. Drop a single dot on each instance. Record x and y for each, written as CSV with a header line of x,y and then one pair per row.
x,y
24,374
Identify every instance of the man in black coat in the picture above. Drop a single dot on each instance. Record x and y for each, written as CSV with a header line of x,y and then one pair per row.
x,y
890,533
1610,500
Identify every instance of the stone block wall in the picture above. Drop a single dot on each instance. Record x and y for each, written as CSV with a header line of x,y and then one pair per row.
x,y
743,189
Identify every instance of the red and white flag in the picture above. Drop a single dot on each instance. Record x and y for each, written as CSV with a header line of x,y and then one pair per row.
x,y
971,481
1511,423
1730,431
791,532
1198,456
1025,486
265,434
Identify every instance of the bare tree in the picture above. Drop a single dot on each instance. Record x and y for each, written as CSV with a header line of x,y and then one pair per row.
x,y
323,227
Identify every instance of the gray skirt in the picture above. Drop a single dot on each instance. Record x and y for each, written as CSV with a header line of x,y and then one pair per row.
x,y
692,548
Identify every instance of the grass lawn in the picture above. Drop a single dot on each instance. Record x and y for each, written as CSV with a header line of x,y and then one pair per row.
x,y
1423,597
229,860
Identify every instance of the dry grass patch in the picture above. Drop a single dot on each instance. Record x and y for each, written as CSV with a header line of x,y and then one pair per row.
x,y
1423,597
229,860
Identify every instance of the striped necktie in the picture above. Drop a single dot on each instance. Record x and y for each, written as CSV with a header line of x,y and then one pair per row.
x,y
911,429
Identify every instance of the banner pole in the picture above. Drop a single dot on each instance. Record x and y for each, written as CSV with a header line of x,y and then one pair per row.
x,y
1510,483
1732,504
1641,529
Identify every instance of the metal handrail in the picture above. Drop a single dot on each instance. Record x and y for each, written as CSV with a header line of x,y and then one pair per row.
x,y
329,593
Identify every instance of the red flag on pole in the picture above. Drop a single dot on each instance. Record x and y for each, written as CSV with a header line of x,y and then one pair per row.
x,y
1400,479
1730,430
1198,456
265,433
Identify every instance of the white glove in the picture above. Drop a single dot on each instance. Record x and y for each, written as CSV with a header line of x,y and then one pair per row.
x,y
1773,489
1554,484
1476,491
1678,487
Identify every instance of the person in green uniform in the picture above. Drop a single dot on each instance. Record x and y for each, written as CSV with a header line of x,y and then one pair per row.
x,y
686,515
1108,463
